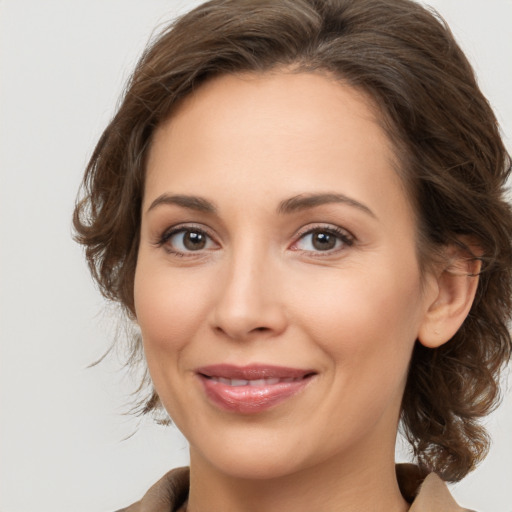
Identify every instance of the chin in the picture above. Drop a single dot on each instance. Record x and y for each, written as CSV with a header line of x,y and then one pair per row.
x,y
259,465
251,457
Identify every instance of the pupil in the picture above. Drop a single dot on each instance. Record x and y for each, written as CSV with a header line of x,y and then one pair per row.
x,y
324,241
194,241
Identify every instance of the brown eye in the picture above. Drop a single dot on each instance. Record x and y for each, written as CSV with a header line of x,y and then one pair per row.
x,y
329,239
194,240
323,241
187,240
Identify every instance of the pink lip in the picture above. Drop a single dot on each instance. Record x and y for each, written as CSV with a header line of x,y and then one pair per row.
x,y
270,385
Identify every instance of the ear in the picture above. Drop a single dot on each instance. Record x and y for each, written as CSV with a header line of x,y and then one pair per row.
x,y
452,291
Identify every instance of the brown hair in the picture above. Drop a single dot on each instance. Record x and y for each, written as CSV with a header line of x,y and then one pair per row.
x,y
447,142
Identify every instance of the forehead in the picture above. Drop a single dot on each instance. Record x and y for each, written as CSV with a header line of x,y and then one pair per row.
x,y
301,102
305,131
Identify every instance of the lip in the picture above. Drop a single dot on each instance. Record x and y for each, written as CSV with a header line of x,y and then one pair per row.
x,y
266,385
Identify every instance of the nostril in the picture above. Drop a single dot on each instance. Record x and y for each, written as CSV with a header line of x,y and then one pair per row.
x,y
234,333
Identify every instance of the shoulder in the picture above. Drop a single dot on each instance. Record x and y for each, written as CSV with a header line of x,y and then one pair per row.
x,y
168,494
426,493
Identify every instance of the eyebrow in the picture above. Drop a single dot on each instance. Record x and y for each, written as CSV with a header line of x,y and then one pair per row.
x,y
291,205
305,201
191,202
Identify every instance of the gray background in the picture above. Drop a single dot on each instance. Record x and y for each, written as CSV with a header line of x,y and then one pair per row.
x,y
62,67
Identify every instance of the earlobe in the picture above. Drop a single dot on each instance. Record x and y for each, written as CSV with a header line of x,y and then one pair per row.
x,y
455,290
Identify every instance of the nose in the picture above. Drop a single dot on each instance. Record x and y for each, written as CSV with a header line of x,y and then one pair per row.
x,y
249,302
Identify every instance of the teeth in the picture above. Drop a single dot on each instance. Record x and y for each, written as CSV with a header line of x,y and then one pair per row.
x,y
239,382
258,382
255,382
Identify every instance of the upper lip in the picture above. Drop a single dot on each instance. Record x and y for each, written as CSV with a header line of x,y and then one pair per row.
x,y
253,372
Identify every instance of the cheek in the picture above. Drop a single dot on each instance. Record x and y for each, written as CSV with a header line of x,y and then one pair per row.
x,y
365,316
168,311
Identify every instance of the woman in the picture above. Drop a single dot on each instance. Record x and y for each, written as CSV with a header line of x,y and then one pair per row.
x,y
300,203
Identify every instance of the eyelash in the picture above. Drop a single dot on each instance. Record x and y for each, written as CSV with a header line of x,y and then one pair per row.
x,y
168,234
342,235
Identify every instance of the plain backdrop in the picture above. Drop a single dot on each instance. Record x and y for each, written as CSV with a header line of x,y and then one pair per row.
x,y
66,444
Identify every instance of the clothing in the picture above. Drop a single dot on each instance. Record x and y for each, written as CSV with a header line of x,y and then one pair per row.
x,y
425,495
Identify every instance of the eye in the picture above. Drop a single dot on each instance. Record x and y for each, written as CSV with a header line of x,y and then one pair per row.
x,y
323,240
186,240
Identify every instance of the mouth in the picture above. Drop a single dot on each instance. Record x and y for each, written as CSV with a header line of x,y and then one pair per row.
x,y
255,382
251,389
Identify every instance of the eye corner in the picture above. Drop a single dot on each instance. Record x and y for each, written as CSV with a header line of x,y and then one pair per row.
x,y
199,242
330,239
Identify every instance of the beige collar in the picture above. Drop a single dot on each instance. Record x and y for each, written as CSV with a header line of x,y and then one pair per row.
x,y
432,495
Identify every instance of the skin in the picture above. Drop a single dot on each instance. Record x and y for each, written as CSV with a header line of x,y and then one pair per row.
x,y
259,291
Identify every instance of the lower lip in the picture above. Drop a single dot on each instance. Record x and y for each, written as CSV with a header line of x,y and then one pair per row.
x,y
250,399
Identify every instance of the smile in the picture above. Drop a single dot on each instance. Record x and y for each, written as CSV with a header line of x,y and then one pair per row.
x,y
255,382
251,389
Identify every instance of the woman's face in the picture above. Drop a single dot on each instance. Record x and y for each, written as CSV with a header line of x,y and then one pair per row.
x,y
277,284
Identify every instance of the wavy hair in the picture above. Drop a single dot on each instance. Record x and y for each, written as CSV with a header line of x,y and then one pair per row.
x,y
446,140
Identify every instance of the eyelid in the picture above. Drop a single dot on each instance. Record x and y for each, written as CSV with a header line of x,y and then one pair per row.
x,y
346,237
169,232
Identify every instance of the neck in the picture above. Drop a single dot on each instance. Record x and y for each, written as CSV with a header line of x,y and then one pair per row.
x,y
331,487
